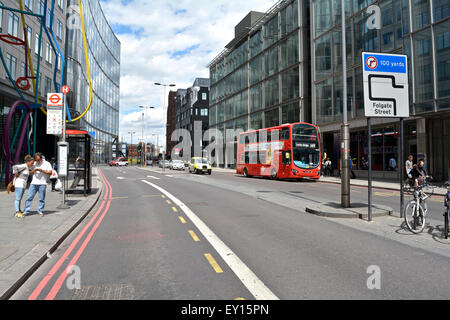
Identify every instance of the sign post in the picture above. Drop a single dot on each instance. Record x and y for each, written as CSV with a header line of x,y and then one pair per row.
x,y
63,150
386,95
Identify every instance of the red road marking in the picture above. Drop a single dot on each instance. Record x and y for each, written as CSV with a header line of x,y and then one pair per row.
x,y
55,268
57,286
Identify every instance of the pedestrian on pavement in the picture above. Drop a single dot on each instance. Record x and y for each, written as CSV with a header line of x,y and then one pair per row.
x,y
328,167
409,166
350,165
21,173
364,163
392,164
54,179
41,172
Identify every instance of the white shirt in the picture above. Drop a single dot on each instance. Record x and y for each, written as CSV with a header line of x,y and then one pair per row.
x,y
409,165
40,178
24,172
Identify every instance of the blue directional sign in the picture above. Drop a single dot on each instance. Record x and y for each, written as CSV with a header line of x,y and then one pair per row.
x,y
386,88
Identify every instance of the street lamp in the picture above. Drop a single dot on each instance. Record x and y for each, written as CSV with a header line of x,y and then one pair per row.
x,y
131,133
143,125
164,105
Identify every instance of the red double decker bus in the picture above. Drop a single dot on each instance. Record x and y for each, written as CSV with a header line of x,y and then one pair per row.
x,y
290,151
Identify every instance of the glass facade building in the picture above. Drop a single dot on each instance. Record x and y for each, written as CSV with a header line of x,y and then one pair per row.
x,y
103,46
418,28
262,77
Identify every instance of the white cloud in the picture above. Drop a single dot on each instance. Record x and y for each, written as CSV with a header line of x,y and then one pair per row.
x,y
150,31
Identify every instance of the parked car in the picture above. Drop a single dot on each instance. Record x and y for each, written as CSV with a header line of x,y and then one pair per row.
x,y
177,165
167,163
119,162
200,165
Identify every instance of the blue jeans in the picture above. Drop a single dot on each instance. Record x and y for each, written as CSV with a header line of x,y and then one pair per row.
x,y
19,195
41,189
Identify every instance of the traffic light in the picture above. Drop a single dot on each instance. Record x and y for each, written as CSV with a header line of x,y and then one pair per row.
x,y
139,148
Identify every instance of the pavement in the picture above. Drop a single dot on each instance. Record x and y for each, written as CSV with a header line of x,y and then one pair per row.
x,y
27,243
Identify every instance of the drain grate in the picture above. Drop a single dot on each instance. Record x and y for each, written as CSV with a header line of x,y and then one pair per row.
x,y
106,292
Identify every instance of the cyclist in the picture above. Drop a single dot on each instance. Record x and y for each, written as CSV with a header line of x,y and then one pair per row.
x,y
418,173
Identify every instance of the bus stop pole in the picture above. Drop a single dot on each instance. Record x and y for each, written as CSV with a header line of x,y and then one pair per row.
x,y
402,169
63,204
369,201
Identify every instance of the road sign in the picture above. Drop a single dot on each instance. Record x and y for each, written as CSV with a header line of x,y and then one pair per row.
x,y
65,90
54,100
386,88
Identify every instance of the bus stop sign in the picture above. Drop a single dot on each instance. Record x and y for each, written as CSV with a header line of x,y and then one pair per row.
x,y
386,88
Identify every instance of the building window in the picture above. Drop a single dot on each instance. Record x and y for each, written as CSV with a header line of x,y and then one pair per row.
x,y
11,62
441,9
442,36
290,84
48,53
40,7
322,16
29,4
290,113
271,93
59,29
204,96
13,24
272,118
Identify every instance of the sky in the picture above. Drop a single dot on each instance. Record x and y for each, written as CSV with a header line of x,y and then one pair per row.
x,y
170,42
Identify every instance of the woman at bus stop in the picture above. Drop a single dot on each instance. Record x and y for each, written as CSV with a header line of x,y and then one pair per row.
x,y
21,174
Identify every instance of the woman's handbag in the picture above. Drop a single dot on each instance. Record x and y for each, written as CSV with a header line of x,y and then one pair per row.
x,y
11,187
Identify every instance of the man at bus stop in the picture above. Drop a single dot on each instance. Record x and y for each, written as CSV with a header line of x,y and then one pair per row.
x,y
79,164
41,172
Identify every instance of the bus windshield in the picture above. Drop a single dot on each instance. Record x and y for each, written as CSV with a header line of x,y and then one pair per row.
x,y
305,145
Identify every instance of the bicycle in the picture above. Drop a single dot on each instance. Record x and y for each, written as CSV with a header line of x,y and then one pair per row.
x,y
416,210
447,212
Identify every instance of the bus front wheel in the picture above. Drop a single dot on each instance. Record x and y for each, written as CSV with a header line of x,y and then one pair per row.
x,y
273,174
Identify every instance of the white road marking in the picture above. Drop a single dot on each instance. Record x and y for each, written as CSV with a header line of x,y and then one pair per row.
x,y
256,287
154,178
120,178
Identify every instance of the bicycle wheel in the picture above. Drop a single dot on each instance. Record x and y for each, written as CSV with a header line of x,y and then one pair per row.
x,y
415,217
446,226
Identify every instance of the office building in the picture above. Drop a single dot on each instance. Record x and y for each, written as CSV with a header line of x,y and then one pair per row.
x,y
419,29
102,119
262,77
192,114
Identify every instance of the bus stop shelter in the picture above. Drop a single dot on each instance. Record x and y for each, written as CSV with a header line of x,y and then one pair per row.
x,y
80,162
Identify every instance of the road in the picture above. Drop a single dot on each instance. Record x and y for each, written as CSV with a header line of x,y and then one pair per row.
x,y
225,237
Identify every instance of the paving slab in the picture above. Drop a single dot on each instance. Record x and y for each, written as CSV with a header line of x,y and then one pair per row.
x,y
356,210
25,243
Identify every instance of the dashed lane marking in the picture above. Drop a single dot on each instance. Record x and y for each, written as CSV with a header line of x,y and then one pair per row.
x,y
194,236
182,220
174,209
248,278
213,263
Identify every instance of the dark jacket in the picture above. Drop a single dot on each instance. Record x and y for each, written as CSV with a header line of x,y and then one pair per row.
x,y
417,172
